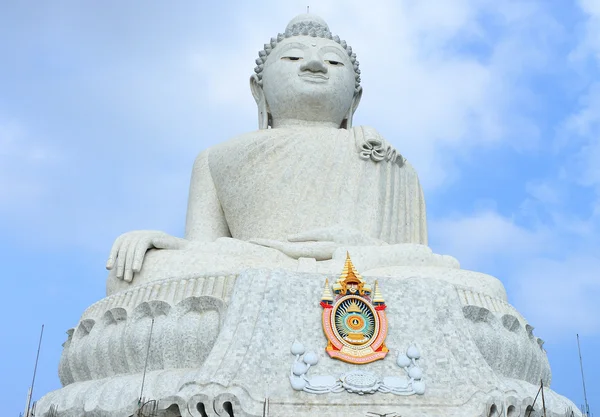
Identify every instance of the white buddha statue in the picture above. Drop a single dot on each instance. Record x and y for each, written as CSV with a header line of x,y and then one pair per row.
x,y
204,324
304,184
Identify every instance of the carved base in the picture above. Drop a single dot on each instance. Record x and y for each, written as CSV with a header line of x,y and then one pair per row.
x,y
179,395
246,373
113,334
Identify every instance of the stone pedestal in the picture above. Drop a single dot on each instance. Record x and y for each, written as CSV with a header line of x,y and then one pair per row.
x,y
221,347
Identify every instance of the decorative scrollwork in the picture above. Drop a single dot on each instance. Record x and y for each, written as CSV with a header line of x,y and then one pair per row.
x,y
377,150
357,382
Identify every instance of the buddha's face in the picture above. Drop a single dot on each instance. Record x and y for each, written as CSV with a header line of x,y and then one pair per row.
x,y
310,79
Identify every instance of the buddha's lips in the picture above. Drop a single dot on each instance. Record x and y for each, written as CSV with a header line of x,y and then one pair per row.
x,y
314,77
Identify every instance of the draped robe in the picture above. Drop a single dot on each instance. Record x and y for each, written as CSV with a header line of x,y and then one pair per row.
x,y
273,183
277,182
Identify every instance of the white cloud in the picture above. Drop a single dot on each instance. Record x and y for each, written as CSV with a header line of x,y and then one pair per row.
x,y
425,91
551,265
486,237
22,159
544,192
583,127
590,6
578,140
551,268
422,91
560,296
589,46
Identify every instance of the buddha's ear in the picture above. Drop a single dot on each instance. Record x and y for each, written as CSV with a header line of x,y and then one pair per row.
x,y
347,123
261,102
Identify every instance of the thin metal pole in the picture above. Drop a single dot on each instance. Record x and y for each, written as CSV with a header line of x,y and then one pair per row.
x,y
37,357
543,401
532,405
587,407
27,403
146,363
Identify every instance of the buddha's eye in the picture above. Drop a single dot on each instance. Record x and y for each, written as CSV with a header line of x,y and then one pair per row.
x,y
334,63
292,58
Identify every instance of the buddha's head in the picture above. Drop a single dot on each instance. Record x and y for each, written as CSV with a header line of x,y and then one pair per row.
x,y
306,76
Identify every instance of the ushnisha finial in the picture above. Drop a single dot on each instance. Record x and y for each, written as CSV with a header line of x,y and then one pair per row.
x,y
309,20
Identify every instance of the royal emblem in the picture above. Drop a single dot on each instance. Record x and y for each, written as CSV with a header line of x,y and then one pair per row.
x,y
354,319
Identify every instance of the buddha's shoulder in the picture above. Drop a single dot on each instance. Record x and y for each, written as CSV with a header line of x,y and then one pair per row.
x,y
250,138
364,128
369,137
238,140
235,142
266,135
360,134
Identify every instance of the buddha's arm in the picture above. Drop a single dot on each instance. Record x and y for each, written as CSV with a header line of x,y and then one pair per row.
x,y
413,221
205,221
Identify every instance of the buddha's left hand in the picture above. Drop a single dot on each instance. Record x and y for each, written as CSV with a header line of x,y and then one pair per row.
x,y
319,243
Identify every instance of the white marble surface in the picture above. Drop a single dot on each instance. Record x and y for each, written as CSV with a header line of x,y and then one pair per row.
x,y
271,214
308,184
231,256
250,357
303,191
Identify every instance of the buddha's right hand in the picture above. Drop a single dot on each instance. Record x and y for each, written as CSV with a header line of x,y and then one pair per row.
x,y
128,251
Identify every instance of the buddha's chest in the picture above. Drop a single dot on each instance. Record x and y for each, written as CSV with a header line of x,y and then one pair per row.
x,y
277,184
270,159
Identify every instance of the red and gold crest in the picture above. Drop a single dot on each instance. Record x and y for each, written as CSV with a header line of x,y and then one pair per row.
x,y
354,318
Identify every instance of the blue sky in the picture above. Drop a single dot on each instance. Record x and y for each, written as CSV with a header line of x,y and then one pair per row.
x,y
104,106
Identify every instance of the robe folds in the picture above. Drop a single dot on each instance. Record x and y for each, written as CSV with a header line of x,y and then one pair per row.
x,y
277,182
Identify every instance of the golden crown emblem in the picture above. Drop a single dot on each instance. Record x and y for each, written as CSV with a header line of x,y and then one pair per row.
x,y
355,324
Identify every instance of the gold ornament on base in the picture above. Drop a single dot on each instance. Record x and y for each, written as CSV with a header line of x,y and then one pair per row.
x,y
354,323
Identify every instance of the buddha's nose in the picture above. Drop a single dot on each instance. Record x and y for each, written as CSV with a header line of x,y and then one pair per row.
x,y
314,64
